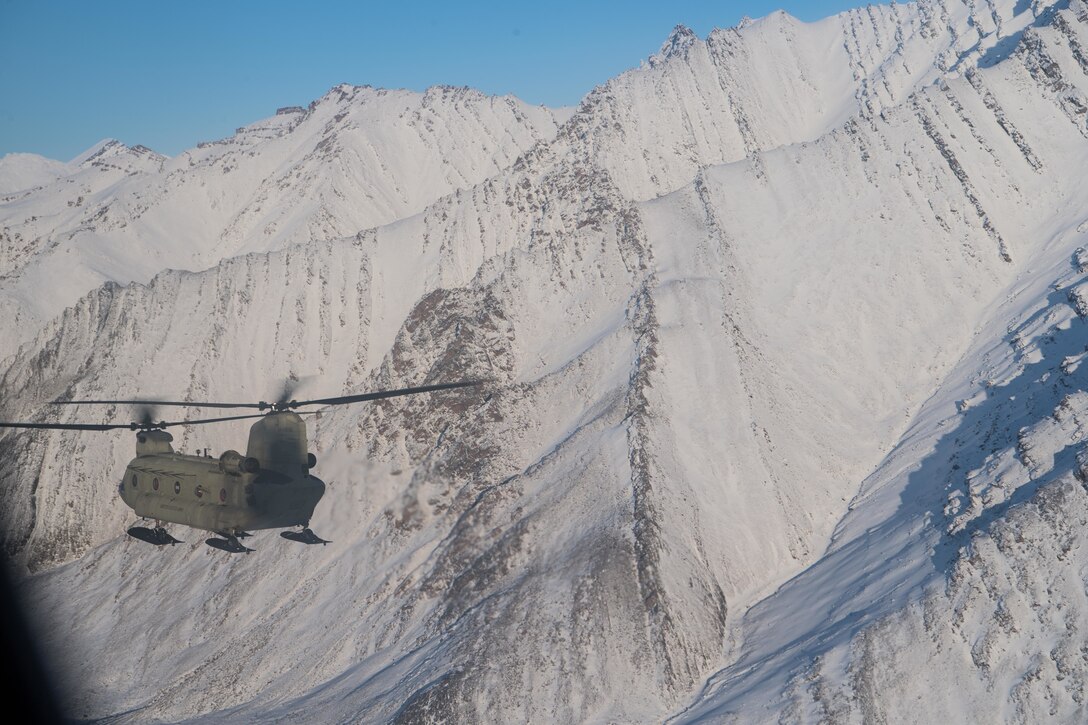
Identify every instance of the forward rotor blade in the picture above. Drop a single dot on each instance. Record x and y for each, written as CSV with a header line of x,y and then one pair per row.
x,y
182,403
125,426
343,399
67,426
282,405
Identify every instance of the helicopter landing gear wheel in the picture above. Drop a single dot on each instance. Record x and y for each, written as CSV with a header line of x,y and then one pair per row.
x,y
306,536
229,543
157,536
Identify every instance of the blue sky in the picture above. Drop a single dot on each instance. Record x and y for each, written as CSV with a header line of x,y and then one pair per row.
x,y
170,74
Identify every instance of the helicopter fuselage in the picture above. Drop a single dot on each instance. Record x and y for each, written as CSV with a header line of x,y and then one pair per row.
x,y
194,491
231,493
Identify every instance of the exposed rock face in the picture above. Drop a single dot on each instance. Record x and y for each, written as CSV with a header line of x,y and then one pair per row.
x,y
761,324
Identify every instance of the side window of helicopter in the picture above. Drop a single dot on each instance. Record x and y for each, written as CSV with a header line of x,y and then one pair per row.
x,y
177,487
155,484
135,482
199,491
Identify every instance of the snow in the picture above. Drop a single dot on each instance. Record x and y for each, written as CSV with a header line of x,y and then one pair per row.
x,y
28,171
784,415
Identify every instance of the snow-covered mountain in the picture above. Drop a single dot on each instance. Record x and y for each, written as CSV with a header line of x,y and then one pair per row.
x,y
356,158
783,331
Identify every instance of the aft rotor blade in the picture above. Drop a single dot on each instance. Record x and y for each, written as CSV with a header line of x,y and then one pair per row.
x,y
183,403
205,420
341,400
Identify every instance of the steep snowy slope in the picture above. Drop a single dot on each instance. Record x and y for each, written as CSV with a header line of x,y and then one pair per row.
x,y
358,157
686,391
981,509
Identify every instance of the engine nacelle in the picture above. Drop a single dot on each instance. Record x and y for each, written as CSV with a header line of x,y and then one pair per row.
x,y
236,464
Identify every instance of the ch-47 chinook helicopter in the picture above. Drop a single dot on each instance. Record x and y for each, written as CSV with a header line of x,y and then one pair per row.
x,y
270,487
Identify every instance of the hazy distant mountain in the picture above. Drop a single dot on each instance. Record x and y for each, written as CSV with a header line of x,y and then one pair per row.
x,y
29,171
784,331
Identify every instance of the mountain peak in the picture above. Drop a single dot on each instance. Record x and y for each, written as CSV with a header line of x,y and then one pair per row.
x,y
102,147
112,148
680,39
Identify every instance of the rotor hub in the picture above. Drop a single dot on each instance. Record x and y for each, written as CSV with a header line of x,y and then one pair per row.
x,y
279,406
